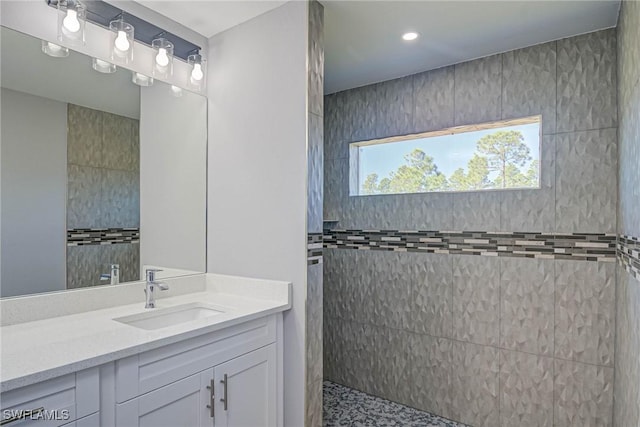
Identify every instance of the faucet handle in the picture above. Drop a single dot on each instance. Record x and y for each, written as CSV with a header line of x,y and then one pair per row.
x,y
151,274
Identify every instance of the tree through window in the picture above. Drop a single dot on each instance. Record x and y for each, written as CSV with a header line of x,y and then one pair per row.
x,y
499,155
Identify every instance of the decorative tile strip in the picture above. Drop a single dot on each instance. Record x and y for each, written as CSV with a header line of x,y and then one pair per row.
x,y
577,246
102,236
629,254
314,248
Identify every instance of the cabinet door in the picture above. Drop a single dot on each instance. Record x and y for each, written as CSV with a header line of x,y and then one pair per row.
x,y
90,421
180,404
246,390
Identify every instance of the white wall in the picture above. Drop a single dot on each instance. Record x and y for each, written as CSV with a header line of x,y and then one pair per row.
x,y
257,167
33,178
173,179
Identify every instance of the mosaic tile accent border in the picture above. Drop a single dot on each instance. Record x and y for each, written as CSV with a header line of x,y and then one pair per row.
x,y
314,248
629,254
102,236
575,246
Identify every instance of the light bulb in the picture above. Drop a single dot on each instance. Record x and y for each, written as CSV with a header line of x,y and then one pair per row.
x,y
162,59
71,22
122,43
197,73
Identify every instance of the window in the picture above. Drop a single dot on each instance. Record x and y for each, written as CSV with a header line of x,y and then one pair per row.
x,y
491,156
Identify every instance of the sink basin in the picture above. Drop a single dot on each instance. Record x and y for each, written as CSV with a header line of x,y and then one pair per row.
x,y
164,317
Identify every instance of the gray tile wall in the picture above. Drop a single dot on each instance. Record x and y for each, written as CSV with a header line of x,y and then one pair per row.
x,y
546,79
486,341
103,153
314,331
475,332
627,349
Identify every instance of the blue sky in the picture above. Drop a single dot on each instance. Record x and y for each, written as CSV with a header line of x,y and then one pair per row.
x,y
449,152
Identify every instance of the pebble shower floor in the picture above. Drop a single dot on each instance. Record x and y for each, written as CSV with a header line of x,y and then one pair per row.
x,y
344,406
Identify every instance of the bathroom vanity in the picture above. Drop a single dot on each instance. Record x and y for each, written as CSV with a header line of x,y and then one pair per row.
x,y
104,177
211,356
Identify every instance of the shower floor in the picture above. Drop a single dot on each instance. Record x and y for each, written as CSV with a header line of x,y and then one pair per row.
x,y
344,406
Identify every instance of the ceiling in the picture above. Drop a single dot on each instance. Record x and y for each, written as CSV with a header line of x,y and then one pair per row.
x,y
363,42
210,17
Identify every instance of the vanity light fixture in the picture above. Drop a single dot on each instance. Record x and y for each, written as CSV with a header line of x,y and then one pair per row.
x,y
162,57
103,66
176,91
54,50
141,79
121,40
198,69
71,21
410,36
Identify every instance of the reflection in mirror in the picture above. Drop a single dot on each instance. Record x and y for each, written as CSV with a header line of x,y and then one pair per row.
x,y
74,183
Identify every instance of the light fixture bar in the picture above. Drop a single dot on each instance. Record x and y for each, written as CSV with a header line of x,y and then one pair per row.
x,y
102,13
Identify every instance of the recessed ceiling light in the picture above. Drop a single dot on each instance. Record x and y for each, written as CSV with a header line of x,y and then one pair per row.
x,y
409,36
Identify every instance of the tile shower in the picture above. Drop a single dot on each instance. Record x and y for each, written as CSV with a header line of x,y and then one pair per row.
x,y
103,196
494,332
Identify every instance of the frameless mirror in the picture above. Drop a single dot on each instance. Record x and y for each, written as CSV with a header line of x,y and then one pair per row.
x,y
99,178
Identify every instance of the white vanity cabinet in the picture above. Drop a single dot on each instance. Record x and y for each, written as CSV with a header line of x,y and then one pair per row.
x,y
240,392
180,404
57,402
225,378
228,377
245,390
89,421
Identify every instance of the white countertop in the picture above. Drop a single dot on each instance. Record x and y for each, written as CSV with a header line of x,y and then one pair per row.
x,y
35,351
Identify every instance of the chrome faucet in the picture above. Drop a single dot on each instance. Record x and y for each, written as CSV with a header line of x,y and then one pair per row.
x,y
114,277
151,286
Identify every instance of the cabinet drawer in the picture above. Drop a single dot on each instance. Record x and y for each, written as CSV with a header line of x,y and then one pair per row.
x,y
54,402
92,420
153,369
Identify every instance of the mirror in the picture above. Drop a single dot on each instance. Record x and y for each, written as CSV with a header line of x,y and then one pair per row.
x,y
99,178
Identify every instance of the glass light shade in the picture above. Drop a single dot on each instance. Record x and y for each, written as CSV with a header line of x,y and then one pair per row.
x,y
162,58
54,50
71,22
121,41
103,66
198,74
141,79
176,91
